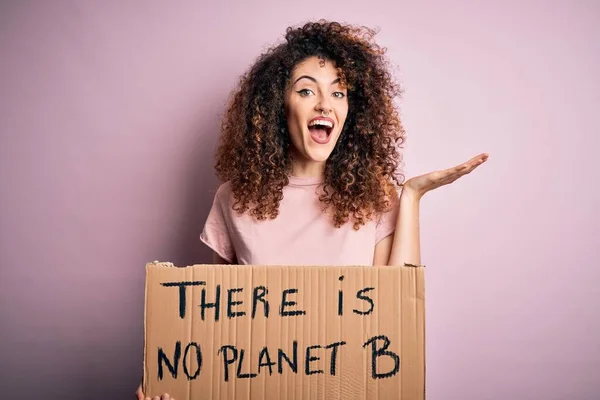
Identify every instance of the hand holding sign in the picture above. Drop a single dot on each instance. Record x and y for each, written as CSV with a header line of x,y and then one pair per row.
x,y
140,395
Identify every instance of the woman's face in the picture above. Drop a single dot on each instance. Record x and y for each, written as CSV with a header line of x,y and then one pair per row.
x,y
316,106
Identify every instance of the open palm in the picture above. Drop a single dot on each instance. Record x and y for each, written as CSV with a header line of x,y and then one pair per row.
x,y
424,183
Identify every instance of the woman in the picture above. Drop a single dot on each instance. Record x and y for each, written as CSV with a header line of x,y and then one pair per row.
x,y
309,156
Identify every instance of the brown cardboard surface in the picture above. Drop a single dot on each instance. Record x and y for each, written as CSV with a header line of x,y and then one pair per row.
x,y
374,350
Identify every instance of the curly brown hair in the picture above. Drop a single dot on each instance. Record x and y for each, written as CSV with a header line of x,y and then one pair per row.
x,y
362,173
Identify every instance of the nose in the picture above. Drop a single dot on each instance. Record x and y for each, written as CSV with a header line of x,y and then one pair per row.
x,y
324,104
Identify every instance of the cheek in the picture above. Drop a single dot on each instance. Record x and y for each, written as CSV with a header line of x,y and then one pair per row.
x,y
294,122
342,118
342,112
294,129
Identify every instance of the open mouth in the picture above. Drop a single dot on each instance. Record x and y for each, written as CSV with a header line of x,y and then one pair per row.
x,y
320,129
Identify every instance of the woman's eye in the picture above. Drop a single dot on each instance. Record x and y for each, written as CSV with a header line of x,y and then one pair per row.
x,y
339,95
305,92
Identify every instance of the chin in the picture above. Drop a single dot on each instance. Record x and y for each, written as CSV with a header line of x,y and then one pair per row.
x,y
318,157
317,152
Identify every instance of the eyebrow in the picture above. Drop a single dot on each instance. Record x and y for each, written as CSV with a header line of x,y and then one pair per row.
x,y
314,80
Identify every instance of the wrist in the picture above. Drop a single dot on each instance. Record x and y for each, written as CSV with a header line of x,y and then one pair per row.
x,y
409,194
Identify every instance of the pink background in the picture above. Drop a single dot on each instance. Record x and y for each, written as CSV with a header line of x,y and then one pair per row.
x,y
109,115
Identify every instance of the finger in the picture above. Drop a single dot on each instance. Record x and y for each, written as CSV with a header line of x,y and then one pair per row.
x,y
165,397
478,158
472,164
451,174
478,163
460,168
459,172
139,393
455,171
449,178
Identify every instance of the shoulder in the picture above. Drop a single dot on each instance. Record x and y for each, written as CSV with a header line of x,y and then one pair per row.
x,y
221,199
392,211
223,194
224,190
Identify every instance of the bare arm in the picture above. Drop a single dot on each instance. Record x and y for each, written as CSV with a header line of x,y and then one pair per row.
x,y
404,246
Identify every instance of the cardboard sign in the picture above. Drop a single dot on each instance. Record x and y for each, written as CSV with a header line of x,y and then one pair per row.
x,y
284,332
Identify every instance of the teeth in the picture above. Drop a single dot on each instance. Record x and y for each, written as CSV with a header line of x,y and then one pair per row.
x,y
321,122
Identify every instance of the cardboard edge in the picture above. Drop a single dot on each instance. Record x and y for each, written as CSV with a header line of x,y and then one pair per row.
x,y
147,268
423,300
413,265
145,370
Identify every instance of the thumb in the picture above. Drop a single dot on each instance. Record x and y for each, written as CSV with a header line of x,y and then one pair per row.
x,y
139,393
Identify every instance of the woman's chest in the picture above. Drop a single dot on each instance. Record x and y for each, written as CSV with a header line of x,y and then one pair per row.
x,y
302,234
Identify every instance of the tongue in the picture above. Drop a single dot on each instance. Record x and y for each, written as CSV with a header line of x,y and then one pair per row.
x,y
319,134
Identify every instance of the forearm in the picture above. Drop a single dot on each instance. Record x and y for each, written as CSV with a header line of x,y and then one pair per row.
x,y
406,246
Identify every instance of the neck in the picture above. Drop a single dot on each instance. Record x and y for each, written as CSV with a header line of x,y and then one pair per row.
x,y
308,168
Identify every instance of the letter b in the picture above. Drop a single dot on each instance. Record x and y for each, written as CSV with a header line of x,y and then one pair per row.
x,y
380,352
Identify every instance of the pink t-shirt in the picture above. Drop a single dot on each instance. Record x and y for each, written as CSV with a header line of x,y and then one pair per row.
x,y
302,234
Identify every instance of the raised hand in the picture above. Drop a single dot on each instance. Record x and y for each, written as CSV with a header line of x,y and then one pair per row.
x,y
419,185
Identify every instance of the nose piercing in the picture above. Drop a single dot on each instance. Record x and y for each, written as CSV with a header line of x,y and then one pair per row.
x,y
323,113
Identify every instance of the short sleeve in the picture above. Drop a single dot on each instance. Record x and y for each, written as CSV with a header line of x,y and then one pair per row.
x,y
386,225
215,233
